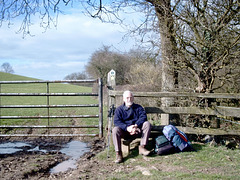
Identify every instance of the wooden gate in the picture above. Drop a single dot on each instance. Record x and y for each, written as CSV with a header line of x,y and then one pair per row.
x,y
8,122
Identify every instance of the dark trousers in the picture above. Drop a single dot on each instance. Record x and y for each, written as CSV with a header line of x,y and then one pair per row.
x,y
118,133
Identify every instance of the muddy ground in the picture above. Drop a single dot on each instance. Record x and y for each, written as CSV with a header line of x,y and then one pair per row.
x,y
37,165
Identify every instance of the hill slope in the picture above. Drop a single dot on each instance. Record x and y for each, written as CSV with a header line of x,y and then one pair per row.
x,y
12,77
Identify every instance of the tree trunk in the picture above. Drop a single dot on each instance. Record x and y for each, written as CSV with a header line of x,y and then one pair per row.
x,y
168,49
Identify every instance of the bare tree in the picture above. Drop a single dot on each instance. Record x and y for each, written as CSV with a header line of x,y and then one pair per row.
x,y
168,47
103,60
145,70
208,41
76,76
7,68
47,11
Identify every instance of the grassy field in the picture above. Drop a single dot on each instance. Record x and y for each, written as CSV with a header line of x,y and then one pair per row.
x,y
41,100
208,162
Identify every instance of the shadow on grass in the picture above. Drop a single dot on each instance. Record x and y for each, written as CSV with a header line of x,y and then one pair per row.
x,y
197,147
151,145
134,151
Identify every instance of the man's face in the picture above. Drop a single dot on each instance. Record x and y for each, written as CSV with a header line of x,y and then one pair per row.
x,y
128,99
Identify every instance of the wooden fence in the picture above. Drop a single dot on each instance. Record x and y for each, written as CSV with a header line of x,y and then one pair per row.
x,y
218,111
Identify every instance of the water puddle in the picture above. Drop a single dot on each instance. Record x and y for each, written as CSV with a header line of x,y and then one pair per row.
x,y
74,150
13,147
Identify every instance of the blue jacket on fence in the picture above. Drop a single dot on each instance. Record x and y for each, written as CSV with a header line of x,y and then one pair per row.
x,y
125,116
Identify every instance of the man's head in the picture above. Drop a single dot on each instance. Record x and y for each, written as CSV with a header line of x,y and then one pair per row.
x,y
128,98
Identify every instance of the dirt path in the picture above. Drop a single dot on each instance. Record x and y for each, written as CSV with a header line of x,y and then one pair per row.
x,y
37,165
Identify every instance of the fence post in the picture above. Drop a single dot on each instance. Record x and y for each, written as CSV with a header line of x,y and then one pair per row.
x,y
48,111
0,108
164,119
111,84
100,97
166,102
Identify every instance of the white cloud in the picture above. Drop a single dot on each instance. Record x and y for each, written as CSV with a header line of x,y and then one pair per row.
x,y
70,64
59,51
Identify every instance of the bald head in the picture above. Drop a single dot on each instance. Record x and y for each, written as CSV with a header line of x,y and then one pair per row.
x,y
128,98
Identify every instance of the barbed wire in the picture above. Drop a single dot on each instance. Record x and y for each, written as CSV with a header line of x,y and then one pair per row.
x,y
223,119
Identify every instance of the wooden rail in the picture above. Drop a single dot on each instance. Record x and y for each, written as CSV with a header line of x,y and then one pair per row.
x,y
219,111
179,94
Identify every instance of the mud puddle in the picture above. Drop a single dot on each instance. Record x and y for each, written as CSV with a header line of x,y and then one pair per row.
x,y
73,150
13,147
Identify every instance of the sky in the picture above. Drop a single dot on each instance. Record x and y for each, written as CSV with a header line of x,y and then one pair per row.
x,y
60,51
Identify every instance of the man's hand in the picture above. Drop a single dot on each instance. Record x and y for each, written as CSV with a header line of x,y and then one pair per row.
x,y
133,129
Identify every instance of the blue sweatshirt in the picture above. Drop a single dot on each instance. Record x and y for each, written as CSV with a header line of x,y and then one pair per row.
x,y
125,116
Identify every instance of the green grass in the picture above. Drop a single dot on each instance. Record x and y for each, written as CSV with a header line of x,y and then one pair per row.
x,y
207,163
41,100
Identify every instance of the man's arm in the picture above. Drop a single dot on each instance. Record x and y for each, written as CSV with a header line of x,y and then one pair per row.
x,y
142,116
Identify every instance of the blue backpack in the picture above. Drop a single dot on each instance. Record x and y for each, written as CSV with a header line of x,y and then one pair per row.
x,y
177,137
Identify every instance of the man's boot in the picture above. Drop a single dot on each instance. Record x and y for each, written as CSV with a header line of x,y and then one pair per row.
x,y
143,151
119,157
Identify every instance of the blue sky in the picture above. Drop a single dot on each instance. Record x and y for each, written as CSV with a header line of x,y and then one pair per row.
x,y
59,51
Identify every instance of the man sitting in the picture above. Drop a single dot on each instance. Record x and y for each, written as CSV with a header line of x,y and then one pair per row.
x,y
130,122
